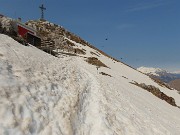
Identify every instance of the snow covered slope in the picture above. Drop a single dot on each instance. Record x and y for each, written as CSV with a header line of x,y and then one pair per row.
x,y
45,95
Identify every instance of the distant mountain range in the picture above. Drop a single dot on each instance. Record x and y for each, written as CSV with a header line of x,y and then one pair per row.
x,y
172,78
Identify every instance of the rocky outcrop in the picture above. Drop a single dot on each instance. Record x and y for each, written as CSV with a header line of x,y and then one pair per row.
x,y
155,91
161,83
56,37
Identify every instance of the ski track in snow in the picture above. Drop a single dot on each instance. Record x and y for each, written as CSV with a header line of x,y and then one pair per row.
x,y
45,95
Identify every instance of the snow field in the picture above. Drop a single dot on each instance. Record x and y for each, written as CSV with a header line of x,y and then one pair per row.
x,y
42,94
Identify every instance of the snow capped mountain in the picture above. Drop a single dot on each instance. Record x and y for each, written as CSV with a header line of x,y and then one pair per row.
x,y
151,70
161,74
78,91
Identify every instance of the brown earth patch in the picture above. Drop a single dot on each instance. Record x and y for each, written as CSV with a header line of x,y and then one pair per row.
x,y
95,61
105,74
94,54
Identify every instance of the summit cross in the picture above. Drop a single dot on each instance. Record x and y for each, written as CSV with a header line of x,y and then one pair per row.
x,y
42,11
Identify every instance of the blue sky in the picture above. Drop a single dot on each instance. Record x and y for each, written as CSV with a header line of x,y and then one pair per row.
x,y
141,32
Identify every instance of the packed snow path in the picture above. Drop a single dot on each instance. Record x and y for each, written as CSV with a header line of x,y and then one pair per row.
x,y
42,94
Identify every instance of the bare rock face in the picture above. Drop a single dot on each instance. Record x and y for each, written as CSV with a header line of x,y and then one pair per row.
x,y
175,84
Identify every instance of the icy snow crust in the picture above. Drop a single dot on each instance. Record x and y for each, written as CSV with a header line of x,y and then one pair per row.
x,y
44,95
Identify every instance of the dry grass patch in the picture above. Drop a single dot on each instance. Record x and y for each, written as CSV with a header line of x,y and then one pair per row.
x,y
95,61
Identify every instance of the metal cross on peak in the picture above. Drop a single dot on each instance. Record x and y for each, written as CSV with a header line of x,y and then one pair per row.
x,y
42,11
